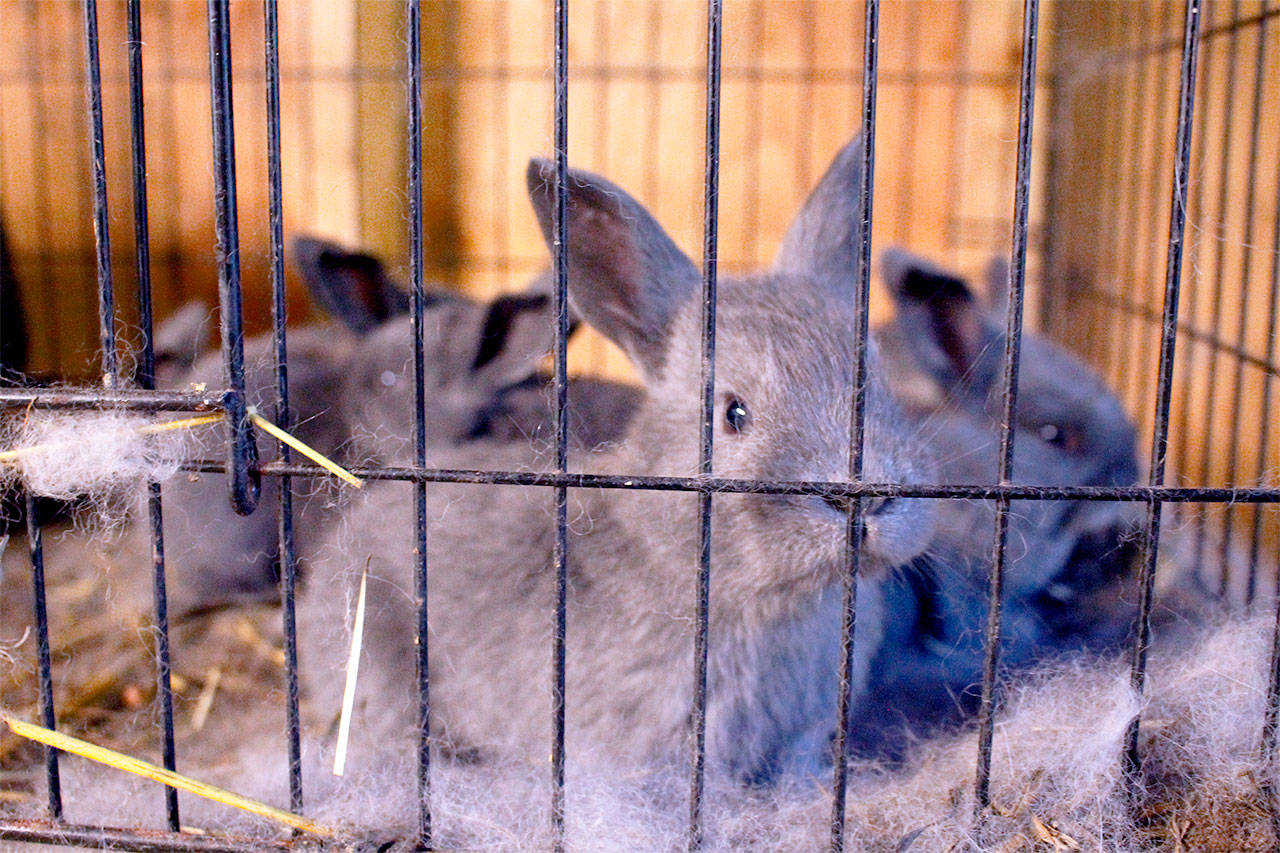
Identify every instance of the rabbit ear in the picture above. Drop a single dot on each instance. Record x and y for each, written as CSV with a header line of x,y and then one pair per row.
x,y
942,323
352,287
626,276
823,239
515,337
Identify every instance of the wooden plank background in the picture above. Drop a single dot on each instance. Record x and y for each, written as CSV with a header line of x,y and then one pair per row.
x,y
948,93
791,94
1115,124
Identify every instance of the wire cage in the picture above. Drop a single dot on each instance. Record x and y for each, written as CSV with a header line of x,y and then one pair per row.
x,y
1122,157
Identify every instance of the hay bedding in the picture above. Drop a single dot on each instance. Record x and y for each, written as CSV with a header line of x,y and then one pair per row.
x,y
1056,783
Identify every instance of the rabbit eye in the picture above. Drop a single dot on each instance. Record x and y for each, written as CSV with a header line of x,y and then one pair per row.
x,y
1061,437
737,416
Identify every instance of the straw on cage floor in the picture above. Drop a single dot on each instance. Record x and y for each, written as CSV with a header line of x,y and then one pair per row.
x,y
104,667
1055,784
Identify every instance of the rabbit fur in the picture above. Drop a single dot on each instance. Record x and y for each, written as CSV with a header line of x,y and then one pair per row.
x,y
785,359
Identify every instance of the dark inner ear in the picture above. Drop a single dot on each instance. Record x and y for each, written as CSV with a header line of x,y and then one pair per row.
x,y
365,283
497,324
954,320
351,287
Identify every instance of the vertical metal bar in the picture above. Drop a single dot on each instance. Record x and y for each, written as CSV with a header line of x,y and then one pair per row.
x,y
560,237
857,415
1168,339
1191,355
1223,144
1242,324
101,220
1271,724
146,378
413,21
35,541
283,415
1264,437
164,668
141,231
710,226
1012,346
242,450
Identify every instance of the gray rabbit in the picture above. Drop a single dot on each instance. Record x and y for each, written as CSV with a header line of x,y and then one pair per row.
x,y
482,364
782,411
351,395
214,556
1067,560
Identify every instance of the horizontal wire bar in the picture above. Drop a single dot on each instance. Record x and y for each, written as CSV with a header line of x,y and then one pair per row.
x,y
139,841
1166,494
102,400
608,73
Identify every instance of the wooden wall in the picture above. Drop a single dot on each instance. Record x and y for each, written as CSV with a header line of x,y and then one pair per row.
x,y
1114,127
343,152
947,110
791,93
791,99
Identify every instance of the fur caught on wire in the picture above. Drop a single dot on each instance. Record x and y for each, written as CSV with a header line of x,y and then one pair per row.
x,y
68,456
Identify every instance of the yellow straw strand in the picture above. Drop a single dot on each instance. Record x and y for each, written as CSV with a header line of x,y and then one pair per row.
x,y
314,455
185,423
204,704
349,689
120,761
148,429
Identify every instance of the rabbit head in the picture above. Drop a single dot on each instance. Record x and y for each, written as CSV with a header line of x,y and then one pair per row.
x,y
480,358
1065,560
783,370
1070,429
216,556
